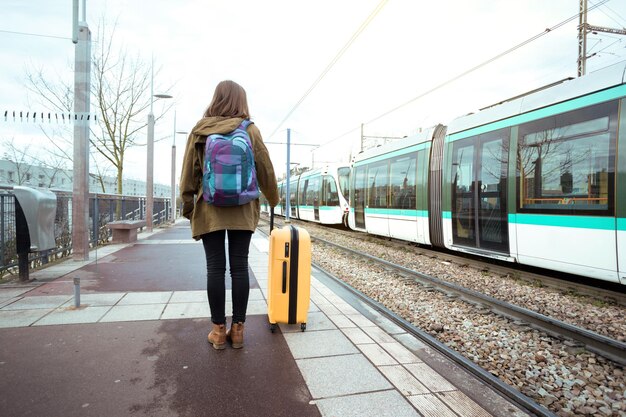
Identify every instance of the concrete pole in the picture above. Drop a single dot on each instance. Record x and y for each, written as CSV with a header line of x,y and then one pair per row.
x,y
150,173
287,180
173,193
150,163
582,38
80,192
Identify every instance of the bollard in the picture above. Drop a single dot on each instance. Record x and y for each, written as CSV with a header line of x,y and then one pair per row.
x,y
76,292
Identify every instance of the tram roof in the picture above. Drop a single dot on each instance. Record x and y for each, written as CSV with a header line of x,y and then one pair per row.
x,y
423,136
611,76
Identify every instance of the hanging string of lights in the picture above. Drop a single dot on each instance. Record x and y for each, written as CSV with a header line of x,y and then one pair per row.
x,y
49,117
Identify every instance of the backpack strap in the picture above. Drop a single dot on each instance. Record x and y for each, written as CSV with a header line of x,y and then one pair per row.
x,y
244,124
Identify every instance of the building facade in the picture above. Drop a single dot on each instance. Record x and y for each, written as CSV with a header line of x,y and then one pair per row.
x,y
12,173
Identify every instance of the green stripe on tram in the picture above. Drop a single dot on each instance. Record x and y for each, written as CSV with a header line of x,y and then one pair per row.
x,y
323,208
588,100
581,222
397,212
392,154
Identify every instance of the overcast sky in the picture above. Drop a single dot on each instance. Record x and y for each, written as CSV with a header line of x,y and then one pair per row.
x,y
277,49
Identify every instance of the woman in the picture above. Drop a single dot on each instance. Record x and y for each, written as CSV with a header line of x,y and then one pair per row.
x,y
210,223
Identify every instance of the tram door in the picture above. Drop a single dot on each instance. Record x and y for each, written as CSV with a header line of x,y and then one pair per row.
x,y
315,186
479,195
360,185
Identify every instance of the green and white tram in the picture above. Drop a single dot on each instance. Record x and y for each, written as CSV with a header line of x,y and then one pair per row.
x,y
538,180
316,195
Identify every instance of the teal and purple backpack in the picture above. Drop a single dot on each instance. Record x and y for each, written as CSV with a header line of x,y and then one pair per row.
x,y
229,175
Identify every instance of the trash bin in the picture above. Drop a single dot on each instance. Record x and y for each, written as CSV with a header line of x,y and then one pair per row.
x,y
35,211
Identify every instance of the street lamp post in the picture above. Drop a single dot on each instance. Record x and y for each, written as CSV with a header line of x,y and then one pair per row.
x,y
150,152
173,203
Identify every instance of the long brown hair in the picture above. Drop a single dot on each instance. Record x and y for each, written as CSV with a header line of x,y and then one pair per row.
x,y
229,100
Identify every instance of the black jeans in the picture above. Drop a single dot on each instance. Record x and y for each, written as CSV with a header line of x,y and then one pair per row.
x,y
215,252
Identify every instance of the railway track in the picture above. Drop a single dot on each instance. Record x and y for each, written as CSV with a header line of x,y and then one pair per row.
x,y
522,401
561,346
604,346
598,310
519,272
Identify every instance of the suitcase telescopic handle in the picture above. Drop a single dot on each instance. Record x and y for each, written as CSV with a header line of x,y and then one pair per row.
x,y
271,219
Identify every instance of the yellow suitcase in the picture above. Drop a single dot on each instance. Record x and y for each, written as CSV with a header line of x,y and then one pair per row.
x,y
289,280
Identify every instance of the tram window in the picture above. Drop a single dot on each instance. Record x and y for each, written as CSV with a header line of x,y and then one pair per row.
x,y
377,180
568,164
331,198
302,191
308,201
359,186
402,182
312,194
281,193
343,175
292,194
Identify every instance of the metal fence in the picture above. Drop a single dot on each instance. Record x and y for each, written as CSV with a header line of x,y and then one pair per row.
x,y
103,208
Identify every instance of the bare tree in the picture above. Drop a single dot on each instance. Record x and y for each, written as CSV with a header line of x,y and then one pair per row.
x,y
20,159
120,90
25,161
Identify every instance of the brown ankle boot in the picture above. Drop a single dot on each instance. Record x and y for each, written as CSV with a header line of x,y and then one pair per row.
x,y
235,335
217,337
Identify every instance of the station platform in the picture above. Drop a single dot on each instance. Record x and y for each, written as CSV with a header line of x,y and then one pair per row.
x,y
137,345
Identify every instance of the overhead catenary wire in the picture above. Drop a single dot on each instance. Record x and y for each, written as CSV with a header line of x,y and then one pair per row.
x,y
339,54
611,17
35,34
464,73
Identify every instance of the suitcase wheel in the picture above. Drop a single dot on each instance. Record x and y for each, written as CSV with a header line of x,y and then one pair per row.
x,y
272,327
303,326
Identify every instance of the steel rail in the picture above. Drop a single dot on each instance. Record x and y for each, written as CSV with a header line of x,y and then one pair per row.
x,y
517,398
524,402
594,342
514,270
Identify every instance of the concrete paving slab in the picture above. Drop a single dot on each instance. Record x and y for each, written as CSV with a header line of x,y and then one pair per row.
x,y
315,321
157,297
255,307
387,325
20,318
262,245
429,377
360,320
343,306
400,353
430,406
411,342
94,300
378,334
377,354
8,301
330,310
462,404
313,344
186,311
379,404
71,316
44,302
403,380
342,321
9,293
332,376
357,336
189,297
134,313
255,294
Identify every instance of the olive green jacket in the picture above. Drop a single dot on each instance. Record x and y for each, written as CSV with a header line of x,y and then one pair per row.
x,y
206,218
